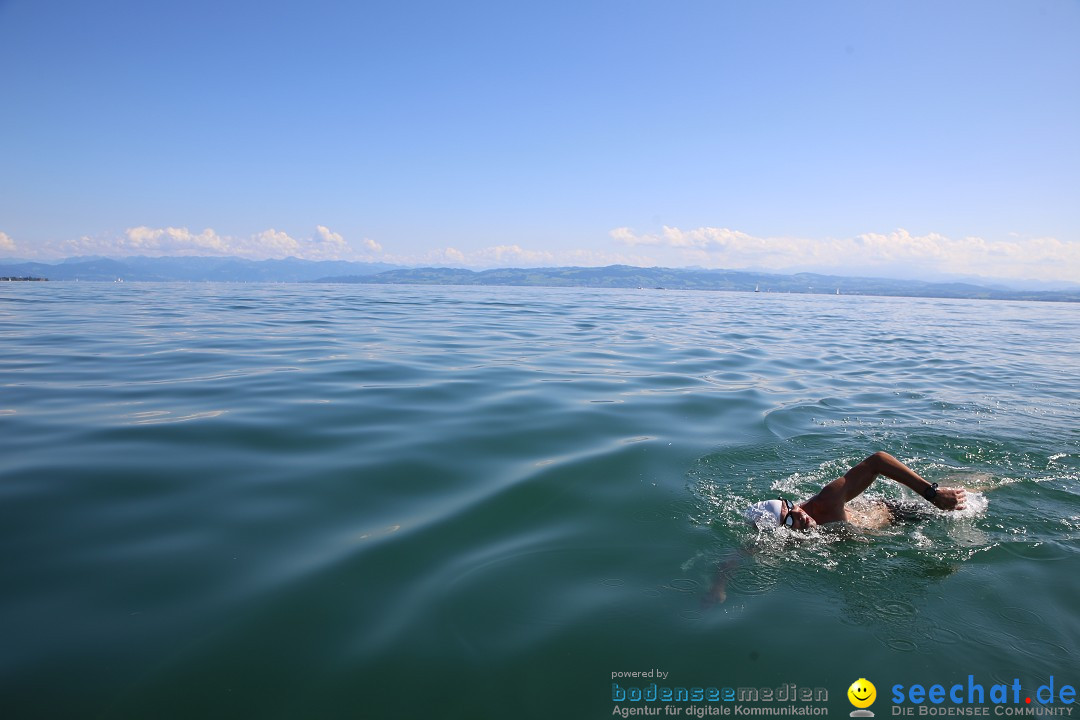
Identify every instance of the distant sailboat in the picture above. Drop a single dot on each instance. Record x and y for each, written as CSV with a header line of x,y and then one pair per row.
x,y
757,288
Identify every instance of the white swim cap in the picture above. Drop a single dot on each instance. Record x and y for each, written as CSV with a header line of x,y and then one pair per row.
x,y
764,514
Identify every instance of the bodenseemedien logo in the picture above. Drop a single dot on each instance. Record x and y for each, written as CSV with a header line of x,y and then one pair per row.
x,y
862,694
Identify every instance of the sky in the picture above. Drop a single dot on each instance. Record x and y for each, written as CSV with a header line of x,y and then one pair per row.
x,y
902,138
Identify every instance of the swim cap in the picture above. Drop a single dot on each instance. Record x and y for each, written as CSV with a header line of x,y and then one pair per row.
x,y
764,514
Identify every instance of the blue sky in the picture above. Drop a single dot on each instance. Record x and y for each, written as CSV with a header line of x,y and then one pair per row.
x,y
900,138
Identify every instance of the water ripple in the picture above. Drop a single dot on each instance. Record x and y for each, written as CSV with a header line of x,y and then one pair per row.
x,y
285,488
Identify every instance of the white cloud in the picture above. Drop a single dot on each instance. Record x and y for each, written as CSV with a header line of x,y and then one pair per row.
x,y
6,243
276,243
701,238
452,255
326,236
323,244
514,255
166,241
898,252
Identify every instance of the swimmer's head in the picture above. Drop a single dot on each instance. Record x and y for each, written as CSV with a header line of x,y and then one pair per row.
x,y
764,514
771,513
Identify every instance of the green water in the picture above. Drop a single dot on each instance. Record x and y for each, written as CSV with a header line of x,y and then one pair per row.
x,y
400,502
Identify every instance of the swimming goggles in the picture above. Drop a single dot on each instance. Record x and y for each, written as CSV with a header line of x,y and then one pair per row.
x,y
788,519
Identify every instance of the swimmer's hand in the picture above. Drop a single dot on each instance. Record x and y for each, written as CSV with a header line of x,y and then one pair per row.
x,y
950,499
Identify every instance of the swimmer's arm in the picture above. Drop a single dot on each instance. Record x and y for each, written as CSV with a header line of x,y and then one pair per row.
x,y
858,478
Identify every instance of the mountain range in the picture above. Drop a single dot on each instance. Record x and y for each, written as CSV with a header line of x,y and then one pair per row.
x,y
232,269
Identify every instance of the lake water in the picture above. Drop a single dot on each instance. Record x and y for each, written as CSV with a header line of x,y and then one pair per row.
x,y
336,501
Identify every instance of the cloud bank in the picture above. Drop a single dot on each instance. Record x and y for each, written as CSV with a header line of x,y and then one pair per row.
x,y
322,244
931,256
897,253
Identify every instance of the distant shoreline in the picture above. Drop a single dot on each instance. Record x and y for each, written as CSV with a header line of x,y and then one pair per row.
x,y
294,270
636,278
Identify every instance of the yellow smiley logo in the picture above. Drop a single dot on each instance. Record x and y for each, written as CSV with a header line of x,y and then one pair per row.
x,y
862,693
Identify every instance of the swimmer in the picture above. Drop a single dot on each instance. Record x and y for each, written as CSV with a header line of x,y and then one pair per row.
x,y
829,506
